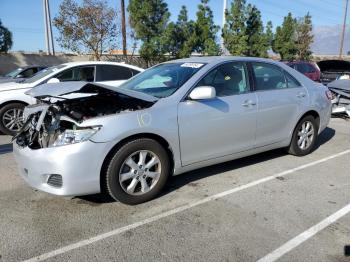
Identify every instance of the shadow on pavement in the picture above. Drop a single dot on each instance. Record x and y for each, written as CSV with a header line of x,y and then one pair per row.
x,y
179,181
4,149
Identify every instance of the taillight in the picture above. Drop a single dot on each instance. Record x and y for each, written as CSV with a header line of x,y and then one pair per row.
x,y
329,95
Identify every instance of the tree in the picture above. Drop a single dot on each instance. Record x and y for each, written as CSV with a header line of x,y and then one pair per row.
x,y
257,42
234,31
149,19
284,41
203,39
304,37
177,34
5,39
90,26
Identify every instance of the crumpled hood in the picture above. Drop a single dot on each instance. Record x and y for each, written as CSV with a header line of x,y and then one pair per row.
x,y
63,89
12,86
343,84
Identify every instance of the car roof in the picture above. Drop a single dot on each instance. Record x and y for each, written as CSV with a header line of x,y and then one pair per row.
x,y
220,59
71,64
32,66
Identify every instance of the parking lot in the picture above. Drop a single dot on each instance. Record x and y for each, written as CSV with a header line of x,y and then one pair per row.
x,y
268,206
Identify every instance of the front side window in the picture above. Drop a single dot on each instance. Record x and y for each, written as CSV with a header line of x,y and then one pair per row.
x,y
268,77
86,74
162,80
44,73
227,79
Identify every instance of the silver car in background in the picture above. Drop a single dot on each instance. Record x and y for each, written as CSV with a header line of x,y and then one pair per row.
x,y
86,138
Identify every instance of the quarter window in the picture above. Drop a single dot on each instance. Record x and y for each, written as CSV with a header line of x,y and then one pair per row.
x,y
268,77
227,79
291,81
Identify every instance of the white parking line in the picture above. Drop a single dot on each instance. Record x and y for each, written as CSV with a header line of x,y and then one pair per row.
x,y
120,230
293,243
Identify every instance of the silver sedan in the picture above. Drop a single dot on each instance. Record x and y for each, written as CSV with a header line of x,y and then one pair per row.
x,y
86,138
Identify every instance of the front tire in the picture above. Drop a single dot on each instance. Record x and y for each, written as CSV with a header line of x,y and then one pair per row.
x,y
11,118
137,172
304,137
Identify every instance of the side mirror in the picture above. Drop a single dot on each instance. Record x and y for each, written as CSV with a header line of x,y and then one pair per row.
x,y
19,76
53,80
203,92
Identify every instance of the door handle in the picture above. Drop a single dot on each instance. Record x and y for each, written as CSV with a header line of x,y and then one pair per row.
x,y
301,95
248,103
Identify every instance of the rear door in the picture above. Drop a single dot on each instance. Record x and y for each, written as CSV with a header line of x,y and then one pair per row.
x,y
113,75
281,99
221,126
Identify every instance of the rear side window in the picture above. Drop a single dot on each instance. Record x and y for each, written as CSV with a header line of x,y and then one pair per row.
x,y
305,68
268,77
29,72
113,73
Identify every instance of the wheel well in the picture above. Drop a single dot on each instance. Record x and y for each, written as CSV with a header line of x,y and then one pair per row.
x,y
314,114
110,154
13,102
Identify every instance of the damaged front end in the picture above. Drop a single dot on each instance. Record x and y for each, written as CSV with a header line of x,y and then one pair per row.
x,y
57,119
340,90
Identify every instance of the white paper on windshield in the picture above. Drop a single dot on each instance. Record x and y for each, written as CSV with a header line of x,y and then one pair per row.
x,y
192,65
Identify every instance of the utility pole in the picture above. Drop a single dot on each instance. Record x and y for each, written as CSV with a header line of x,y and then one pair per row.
x,y
46,28
123,27
344,27
223,24
49,26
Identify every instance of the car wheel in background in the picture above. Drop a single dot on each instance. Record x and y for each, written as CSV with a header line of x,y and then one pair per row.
x,y
11,118
304,136
138,171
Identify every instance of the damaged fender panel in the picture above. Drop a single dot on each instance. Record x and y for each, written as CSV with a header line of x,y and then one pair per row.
x,y
59,118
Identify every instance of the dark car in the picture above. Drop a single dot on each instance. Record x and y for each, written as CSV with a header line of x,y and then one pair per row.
x,y
309,69
21,73
333,69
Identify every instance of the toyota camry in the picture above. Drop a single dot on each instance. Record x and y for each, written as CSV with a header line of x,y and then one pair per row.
x,y
85,138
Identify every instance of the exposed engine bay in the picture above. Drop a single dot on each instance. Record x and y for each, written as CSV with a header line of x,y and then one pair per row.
x,y
341,96
46,122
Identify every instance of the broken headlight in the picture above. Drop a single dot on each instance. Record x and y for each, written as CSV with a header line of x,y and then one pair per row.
x,y
73,136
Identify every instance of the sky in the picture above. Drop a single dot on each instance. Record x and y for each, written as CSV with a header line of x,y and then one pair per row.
x,y
25,18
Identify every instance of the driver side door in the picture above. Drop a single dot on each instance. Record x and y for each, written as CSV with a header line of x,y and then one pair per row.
x,y
221,126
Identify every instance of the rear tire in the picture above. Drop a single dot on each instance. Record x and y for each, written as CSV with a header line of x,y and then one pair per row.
x,y
304,137
11,118
137,172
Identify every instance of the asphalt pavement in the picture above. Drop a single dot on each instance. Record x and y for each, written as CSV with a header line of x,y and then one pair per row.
x,y
270,206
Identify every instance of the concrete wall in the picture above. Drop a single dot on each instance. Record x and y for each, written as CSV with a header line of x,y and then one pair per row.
x,y
11,61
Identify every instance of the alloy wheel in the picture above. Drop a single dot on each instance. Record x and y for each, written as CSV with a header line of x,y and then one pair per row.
x,y
306,135
140,172
13,119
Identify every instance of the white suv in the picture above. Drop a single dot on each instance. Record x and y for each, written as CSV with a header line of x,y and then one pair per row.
x,y
13,98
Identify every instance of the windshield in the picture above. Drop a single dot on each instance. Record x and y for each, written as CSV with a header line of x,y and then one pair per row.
x,y
162,80
43,73
14,73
